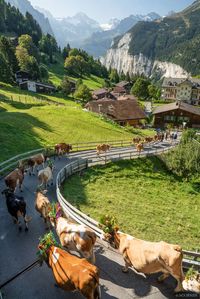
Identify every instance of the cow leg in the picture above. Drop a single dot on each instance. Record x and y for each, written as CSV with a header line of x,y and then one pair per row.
x,y
163,277
19,225
20,186
15,220
179,287
26,224
125,269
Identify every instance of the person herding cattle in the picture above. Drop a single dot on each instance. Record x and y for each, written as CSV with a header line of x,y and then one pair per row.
x,y
148,257
62,148
16,208
46,175
15,178
70,272
102,148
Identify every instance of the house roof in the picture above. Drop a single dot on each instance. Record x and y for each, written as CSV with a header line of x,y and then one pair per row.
x,y
121,109
175,106
39,83
173,82
123,84
119,89
100,91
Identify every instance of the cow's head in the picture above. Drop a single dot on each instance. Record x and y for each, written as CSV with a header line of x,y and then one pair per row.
x,y
109,226
51,165
41,190
112,238
70,147
44,247
7,192
55,211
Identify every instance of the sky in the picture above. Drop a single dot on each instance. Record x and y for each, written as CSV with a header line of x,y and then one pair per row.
x,y
104,10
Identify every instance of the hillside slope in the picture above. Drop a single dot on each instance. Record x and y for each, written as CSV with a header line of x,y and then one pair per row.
x,y
167,47
27,122
25,6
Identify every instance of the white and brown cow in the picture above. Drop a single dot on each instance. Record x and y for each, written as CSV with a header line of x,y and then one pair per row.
x,y
15,178
72,273
45,176
74,237
33,162
149,257
42,206
102,148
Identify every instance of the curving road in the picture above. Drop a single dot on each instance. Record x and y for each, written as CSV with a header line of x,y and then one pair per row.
x,y
18,250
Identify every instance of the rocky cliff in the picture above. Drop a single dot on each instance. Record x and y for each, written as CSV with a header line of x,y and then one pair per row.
x,y
120,59
165,47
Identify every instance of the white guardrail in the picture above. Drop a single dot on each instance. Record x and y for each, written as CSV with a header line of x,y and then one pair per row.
x,y
192,258
83,163
13,162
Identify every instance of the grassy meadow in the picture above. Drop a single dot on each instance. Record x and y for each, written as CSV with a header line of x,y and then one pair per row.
x,y
148,201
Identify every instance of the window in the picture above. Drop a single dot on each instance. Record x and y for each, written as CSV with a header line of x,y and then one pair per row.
x,y
169,117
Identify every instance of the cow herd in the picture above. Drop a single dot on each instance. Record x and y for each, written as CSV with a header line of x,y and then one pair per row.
x,y
79,273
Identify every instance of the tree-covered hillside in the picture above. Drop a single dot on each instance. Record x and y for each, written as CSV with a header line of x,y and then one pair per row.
x,y
175,39
13,23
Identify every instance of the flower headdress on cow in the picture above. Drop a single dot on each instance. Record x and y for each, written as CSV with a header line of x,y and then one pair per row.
x,y
50,163
109,226
192,281
44,246
55,211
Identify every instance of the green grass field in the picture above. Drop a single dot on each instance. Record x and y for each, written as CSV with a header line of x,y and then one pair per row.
x,y
56,73
148,201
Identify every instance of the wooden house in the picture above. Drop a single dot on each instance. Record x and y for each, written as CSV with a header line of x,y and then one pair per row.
x,y
179,114
125,110
21,76
123,87
37,87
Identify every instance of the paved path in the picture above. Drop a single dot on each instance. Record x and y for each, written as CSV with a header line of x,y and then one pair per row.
x,y
18,250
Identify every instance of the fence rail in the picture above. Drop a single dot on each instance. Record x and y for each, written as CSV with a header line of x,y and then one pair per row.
x,y
13,162
190,258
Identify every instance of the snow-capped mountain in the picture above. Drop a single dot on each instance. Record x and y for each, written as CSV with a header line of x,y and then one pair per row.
x,y
112,24
100,42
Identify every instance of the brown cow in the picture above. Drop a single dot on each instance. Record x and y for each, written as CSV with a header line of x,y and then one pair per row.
x,y
72,273
102,148
140,147
62,148
148,139
74,237
15,178
33,162
149,257
137,140
42,206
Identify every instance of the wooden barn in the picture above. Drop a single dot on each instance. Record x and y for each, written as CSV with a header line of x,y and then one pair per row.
x,y
37,87
179,114
125,110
